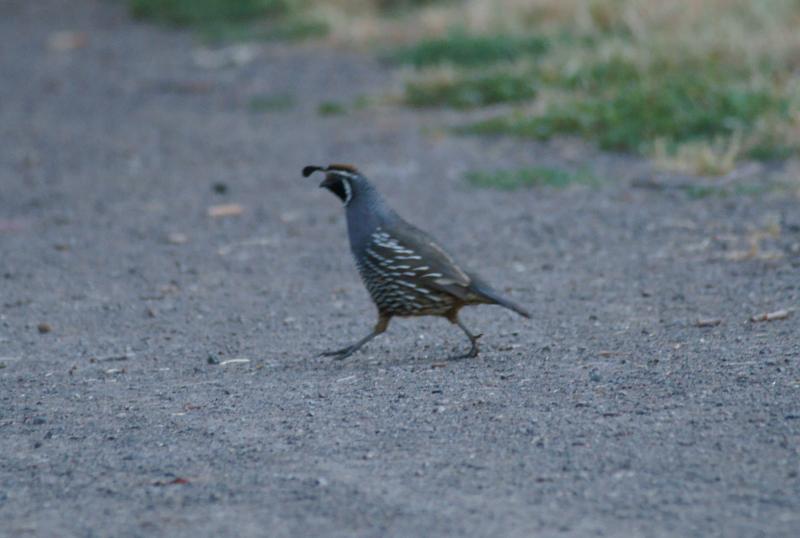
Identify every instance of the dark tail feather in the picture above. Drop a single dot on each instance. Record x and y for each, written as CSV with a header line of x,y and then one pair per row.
x,y
496,298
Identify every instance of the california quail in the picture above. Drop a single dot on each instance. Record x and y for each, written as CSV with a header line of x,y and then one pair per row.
x,y
405,271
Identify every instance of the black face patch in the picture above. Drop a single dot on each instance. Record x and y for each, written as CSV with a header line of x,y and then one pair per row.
x,y
338,189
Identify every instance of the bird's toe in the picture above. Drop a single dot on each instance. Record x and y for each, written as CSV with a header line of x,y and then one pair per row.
x,y
338,354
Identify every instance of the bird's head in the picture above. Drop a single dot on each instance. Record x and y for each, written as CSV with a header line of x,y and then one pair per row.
x,y
343,180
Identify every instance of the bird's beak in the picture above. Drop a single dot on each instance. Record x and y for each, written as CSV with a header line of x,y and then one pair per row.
x,y
310,169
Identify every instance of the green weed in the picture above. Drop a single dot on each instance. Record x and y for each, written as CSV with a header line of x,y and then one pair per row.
x,y
331,108
234,20
271,103
362,101
471,91
395,6
706,85
631,110
206,12
289,28
462,49
537,176
698,192
295,28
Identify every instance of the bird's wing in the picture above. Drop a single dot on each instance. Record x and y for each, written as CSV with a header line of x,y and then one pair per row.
x,y
415,255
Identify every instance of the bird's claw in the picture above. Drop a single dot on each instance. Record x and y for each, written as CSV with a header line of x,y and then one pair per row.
x,y
473,351
338,354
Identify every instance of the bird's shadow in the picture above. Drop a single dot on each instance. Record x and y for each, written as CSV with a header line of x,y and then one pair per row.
x,y
389,359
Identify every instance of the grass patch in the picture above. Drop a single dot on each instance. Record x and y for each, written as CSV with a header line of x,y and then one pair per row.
x,y
677,107
295,28
206,12
336,108
289,28
235,20
778,141
698,192
699,85
271,103
471,91
331,108
463,49
537,176
363,101
400,6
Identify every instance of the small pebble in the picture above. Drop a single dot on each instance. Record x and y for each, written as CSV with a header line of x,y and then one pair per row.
x,y
177,238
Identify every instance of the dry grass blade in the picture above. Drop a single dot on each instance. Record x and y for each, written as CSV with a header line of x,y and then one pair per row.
x,y
225,210
234,361
772,316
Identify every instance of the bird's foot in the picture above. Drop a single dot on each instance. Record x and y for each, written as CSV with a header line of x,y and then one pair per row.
x,y
473,351
345,352
340,354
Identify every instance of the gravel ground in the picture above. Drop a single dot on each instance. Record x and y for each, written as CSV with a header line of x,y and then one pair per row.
x,y
124,306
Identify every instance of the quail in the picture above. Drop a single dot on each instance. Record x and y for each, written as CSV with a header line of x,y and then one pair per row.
x,y
405,271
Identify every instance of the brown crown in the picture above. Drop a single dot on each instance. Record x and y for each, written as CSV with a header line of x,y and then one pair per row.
x,y
343,167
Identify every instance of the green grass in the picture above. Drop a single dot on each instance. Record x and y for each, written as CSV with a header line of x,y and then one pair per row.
x,y
336,108
537,176
288,28
621,104
625,108
698,192
471,91
331,108
207,12
400,6
271,103
699,86
773,146
234,20
463,49
295,28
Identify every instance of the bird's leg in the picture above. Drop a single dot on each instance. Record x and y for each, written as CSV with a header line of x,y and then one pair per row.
x,y
345,352
339,354
473,338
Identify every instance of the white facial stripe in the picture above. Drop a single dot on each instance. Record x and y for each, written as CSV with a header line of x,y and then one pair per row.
x,y
348,190
342,173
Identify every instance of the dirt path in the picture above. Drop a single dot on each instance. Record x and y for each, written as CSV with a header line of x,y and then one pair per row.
x,y
609,414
